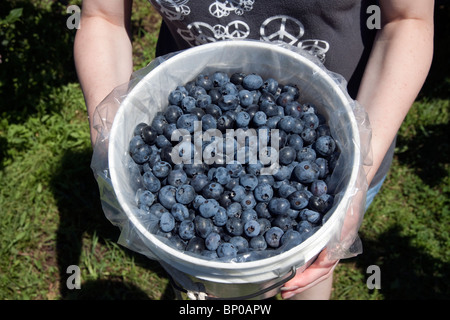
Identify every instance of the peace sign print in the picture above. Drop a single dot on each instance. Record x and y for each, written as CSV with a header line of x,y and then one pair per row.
x,y
282,28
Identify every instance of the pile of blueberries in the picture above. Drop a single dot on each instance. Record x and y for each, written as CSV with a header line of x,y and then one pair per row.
x,y
227,208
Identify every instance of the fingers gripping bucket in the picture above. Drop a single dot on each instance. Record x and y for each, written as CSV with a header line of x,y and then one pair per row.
x,y
149,96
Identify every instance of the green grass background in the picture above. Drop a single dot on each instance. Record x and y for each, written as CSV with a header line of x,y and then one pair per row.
x,y
50,212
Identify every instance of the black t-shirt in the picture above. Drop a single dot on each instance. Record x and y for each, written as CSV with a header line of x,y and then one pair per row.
x,y
335,31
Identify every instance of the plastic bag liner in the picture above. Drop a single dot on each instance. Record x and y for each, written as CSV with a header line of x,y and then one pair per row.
x,y
147,93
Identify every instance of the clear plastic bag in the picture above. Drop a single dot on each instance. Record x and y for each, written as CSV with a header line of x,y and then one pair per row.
x,y
342,240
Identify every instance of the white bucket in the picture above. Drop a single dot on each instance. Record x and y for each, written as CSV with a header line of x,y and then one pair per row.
x,y
149,96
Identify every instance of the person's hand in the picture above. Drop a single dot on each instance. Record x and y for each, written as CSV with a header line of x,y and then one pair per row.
x,y
321,269
338,248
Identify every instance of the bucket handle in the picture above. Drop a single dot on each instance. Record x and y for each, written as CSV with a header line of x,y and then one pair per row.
x,y
204,296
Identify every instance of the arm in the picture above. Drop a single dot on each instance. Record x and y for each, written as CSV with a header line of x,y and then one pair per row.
x,y
102,50
397,68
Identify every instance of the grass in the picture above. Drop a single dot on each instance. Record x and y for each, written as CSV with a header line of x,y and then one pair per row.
x,y
50,210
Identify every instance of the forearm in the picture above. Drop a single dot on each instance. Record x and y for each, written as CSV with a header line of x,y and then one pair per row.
x,y
103,60
397,68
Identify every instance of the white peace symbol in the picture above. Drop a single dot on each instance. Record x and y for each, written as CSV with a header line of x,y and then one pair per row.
x,y
282,33
237,30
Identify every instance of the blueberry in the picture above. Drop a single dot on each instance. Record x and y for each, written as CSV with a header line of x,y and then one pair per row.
x,y
286,190
221,217
180,212
235,226
304,226
234,210
162,141
248,181
306,171
209,208
284,222
166,196
242,119
306,154
198,112
308,135
167,222
196,245
186,229
138,129
195,91
325,145
146,199
141,154
235,169
323,167
240,243
263,192
151,182
226,250
161,169
177,177
248,202
203,226
258,243
287,124
310,120
238,193
208,122
158,123
172,113
157,209
186,121
262,210
278,206
321,203
229,88
273,237
176,96
204,81
219,78
135,143
213,190
221,175
291,238
214,110
287,155
285,98
245,98
295,141
237,78
252,82
270,85
293,109
323,130
212,241
224,122
318,187
252,228
299,199
185,194
310,216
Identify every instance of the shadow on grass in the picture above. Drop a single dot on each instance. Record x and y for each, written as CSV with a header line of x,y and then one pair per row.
x,y
428,153
407,272
78,201
36,55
